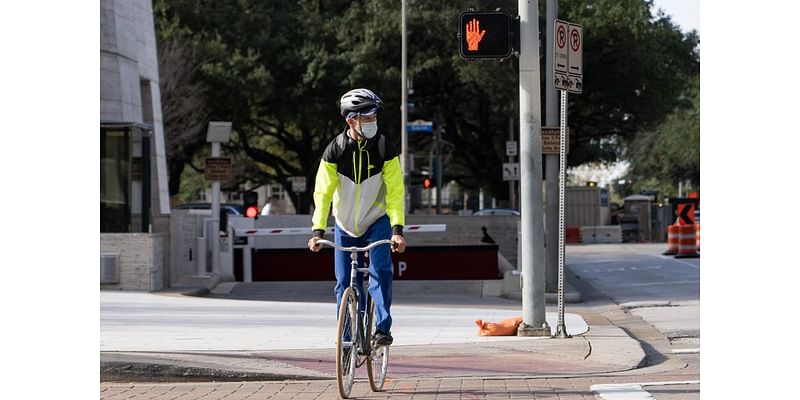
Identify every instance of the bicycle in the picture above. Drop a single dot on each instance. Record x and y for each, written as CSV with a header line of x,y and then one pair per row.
x,y
360,332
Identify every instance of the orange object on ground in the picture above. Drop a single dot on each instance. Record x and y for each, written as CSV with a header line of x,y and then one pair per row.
x,y
506,327
672,241
697,229
687,242
573,234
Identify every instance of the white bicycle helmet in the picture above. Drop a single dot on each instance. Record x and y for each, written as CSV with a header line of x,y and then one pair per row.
x,y
361,101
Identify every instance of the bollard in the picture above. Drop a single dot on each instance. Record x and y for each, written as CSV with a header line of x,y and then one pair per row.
x,y
687,242
672,241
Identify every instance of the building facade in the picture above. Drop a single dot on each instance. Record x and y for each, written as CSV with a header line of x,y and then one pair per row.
x,y
134,197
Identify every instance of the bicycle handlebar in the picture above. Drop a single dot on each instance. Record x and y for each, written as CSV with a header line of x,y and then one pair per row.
x,y
354,248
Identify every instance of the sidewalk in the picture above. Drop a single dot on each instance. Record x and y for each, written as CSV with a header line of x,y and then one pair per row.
x,y
288,333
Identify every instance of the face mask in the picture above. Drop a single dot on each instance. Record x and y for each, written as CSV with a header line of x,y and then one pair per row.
x,y
369,129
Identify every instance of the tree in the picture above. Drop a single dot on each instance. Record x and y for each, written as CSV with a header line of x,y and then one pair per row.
x,y
669,153
276,70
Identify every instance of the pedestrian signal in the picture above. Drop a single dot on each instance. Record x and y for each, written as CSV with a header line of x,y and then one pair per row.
x,y
427,183
485,34
250,204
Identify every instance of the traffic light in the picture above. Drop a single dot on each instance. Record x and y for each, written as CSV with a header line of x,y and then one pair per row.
x,y
486,34
250,204
427,183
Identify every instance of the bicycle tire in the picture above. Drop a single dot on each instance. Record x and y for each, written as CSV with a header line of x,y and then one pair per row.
x,y
378,360
346,350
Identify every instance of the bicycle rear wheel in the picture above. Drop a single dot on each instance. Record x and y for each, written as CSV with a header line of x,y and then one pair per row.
x,y
346,337
378,362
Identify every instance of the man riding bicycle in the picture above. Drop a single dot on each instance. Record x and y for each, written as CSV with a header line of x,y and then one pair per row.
x,y
360,172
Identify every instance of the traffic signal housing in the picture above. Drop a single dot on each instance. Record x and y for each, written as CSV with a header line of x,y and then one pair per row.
x,y
250,200
486,34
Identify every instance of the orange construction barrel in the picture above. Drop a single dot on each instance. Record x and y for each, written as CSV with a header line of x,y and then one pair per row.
x,y
687,242
672,240
697,226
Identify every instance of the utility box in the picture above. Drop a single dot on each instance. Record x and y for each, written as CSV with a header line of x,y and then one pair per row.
x,y
109,267
637,208
587,206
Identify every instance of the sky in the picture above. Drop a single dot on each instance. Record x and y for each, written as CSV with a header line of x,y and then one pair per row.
x,y
685,13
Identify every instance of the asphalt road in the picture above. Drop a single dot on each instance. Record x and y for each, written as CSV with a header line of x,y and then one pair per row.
x,y
664,291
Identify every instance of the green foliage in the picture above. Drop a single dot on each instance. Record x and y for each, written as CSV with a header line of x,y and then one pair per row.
x,y
670,153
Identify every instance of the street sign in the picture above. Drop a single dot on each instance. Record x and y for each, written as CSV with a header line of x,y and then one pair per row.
x,y
551,140
485,35
510,171
511,148
686,214
419,126
218,169
298,184
568,60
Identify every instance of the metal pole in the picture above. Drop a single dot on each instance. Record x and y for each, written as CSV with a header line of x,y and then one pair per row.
x,y
551,160
533,268
247,260
561,329
512,191
439,171
404,111
215,187
430,192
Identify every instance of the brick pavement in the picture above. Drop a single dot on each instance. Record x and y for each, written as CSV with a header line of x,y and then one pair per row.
x,y
563,388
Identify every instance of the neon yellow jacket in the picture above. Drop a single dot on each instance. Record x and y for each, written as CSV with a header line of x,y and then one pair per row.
x,y
363,182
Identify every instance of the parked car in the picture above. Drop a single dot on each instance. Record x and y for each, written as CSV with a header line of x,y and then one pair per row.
x,y
497,211
231,209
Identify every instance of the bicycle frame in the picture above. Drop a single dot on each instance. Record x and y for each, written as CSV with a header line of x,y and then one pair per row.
x,y
363,321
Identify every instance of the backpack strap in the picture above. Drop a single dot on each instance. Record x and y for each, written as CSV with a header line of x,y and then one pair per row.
x,y
382,147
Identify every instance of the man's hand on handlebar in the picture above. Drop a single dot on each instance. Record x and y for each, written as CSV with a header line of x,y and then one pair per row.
x,y
399,243
313,245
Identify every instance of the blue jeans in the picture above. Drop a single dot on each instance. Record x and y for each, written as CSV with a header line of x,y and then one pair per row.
x,y
380,270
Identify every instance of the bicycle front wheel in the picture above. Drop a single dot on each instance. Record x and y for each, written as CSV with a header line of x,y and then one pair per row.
x,y
378,362
346,349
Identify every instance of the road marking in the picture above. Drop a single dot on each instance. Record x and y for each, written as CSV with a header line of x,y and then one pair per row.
x,y
661,283
631,391
686,351
697,267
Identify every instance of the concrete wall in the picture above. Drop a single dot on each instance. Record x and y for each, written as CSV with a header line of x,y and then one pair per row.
x,y
141,260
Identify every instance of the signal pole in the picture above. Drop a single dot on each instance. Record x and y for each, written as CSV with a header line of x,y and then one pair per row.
x,y
530,132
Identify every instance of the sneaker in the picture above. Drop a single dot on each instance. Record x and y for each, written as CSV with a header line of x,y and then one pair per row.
x,y
383,339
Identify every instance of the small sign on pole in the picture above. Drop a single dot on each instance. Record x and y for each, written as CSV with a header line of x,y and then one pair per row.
x,y
568,60
551,140
511,148
510,171
218,169
299,184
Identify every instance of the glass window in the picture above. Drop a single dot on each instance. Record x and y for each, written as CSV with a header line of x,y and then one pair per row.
x,y
115,197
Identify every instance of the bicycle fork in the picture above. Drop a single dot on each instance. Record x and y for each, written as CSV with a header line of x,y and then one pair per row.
x,y
363,320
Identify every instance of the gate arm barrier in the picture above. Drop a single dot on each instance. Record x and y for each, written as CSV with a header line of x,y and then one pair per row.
x,y
330,230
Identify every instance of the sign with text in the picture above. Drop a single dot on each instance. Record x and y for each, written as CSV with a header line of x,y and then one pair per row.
x,y
511,148
568,57
551,140
298,184
218,169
